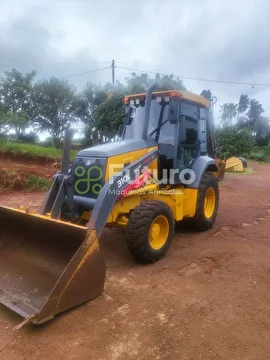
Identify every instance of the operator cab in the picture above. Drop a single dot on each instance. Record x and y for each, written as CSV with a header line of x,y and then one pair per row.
x,y
177,122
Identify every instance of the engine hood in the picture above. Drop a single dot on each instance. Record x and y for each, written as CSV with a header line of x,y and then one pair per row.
x,y
116,148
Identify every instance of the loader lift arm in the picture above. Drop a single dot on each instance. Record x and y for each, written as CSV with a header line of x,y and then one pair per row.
x,y
111,191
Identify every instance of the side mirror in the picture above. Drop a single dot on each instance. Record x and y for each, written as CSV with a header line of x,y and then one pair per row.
x,y
128,117
173,111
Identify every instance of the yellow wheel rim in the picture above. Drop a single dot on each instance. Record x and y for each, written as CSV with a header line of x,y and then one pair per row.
x,y
159,232
209,202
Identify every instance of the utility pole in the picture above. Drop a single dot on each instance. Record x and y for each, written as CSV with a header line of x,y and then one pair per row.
x,y
113,73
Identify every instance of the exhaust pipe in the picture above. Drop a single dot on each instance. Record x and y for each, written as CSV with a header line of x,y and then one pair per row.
x,y
147,108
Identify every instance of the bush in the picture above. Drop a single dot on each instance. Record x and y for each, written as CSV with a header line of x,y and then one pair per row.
x,y
234,142
34,182
261,153
34,151
30,138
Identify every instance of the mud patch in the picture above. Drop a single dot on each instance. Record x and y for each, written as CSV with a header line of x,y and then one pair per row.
x,y
223,229
124,283
202,265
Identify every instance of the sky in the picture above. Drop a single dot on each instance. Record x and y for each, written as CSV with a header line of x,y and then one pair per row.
x,y
206,39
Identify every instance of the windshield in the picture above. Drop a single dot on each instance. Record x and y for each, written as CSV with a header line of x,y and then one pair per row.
x,y
163,127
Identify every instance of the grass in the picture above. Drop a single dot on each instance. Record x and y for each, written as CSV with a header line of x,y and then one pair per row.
x,y
12,179
34,182
247,171
33,150
16,180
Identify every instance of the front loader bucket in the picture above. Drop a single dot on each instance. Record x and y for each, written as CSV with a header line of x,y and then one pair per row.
x,y
47,266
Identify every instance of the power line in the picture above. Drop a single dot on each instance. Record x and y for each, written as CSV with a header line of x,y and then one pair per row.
x,y
142,71
86,72
206,69
197,78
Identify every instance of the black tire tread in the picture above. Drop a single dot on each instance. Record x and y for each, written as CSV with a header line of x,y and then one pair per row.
x,y
137,230
199,221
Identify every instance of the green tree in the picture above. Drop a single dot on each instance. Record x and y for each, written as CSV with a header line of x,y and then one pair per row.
x,y
242,105
169,82
243,122
92,97
15,96
3,125
139,83
108,116
254,112
262,131
102,107
228,112
233,141
18,121
55,107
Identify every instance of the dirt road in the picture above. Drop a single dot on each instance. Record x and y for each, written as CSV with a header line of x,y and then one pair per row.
x,y
209,298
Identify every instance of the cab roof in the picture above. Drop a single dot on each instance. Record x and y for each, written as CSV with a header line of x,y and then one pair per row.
x,y
185,95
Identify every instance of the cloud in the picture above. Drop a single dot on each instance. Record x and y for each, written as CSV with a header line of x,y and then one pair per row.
x,y
32,41
223,40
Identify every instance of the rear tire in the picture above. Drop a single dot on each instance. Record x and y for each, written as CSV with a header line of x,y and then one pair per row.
x,y
149,231
207,203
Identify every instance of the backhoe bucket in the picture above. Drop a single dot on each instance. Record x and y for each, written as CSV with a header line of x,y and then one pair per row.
x,y
47,266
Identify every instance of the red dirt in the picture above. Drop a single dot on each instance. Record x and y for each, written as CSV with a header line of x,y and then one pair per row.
x,y
207,299
28,159
23,170
45,171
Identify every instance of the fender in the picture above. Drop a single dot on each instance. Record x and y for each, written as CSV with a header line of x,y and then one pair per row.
x,y
200,165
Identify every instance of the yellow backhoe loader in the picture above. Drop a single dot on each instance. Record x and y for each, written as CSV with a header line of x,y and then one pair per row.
x,y
162,169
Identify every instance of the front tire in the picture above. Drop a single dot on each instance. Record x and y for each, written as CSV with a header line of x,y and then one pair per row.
x,y
149,231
